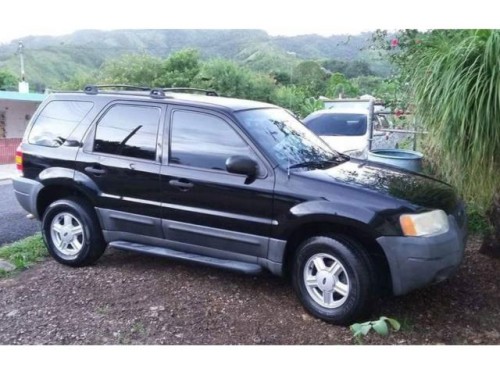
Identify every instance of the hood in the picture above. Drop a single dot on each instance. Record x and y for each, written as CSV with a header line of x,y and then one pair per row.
x,y
346,143
417,189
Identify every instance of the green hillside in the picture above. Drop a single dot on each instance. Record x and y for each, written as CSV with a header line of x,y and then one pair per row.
x,y
50,60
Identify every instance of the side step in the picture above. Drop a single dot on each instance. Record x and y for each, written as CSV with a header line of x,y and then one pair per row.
x,y
233,265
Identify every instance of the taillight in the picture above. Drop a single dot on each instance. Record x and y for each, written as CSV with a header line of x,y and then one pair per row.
x,y
19,160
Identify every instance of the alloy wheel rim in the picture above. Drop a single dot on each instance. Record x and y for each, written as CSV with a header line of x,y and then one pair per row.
x,y
67,235
326,280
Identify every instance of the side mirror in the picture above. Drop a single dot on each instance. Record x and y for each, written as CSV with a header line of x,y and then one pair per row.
x,y
242,165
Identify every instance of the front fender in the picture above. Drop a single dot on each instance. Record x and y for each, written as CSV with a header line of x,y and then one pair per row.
x,y
340,213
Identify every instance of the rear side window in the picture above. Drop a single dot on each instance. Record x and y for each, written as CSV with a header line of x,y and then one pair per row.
x,y
128,130
57,121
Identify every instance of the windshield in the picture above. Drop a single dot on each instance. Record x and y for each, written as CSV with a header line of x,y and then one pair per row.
x,y
284,138
329,124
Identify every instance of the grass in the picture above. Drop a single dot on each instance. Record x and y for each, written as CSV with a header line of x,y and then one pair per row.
x,y
23,253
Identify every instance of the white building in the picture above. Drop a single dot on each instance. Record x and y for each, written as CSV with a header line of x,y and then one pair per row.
x,y
16,110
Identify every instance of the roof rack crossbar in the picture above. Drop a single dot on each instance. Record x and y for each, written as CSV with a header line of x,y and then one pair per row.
x,y
190,89
94,89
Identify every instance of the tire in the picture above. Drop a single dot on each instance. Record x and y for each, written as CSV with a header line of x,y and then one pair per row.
x,y
340,277
72,233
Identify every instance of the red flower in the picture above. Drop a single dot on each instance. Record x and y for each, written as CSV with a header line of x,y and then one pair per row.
x,y
394,43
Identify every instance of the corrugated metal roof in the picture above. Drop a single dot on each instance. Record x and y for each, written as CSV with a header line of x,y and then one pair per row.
x,y
14,95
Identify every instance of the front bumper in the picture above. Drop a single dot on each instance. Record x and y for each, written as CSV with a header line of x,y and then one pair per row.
x,y
419,261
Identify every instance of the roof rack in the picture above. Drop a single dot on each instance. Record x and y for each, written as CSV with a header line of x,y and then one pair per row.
x,y
190,89
94,89
153,92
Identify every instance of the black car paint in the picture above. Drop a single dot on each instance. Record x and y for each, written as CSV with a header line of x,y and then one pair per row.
x,y
362,195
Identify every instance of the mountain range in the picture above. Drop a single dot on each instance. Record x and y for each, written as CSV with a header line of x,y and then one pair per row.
x,y
53,59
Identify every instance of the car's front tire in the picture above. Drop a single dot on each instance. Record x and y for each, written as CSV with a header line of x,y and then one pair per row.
x,y
72,233
334,279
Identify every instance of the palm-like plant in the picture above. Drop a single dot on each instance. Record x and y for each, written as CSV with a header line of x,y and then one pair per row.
x,y
455,80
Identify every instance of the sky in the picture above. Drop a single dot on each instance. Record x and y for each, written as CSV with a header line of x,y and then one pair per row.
x,y
286,17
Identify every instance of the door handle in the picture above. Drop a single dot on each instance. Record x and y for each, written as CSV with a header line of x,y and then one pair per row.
x,y
182,184
95,170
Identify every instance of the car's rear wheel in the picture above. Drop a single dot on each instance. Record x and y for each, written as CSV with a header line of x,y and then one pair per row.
x,y
72,233
334,279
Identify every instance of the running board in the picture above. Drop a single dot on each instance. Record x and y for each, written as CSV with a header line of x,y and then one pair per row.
x,y
233,265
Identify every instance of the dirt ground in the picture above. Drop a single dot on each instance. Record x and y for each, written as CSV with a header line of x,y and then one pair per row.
x,y
129,298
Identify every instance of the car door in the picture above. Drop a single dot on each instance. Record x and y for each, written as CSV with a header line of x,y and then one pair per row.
x,y
206,209
122,158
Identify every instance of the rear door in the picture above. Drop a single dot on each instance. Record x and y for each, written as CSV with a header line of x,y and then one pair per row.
x,y
122,157
207,209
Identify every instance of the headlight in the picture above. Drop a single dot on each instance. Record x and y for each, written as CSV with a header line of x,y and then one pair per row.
x,y
425,224
358,154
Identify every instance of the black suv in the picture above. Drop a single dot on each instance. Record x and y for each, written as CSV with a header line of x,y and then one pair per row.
x,y
234,184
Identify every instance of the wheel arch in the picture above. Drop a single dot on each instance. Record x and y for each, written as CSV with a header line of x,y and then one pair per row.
x,y
342,227
59,190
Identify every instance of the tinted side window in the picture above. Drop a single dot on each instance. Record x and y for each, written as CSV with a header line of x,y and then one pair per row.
x,y
204,141
57,121
129,131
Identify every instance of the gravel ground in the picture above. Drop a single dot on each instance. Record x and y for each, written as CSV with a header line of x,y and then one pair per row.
x,y
129,298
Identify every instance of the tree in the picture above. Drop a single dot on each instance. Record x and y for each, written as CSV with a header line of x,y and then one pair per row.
x,y
141,70
180,69
349,69
7,80
454,77
311,77
340,86
290,97
230,79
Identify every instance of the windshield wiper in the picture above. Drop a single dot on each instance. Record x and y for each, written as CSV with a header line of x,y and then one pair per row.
x,y
340,158
311,163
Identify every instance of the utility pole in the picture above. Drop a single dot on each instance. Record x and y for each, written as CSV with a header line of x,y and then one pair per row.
x,y
21,58
23,86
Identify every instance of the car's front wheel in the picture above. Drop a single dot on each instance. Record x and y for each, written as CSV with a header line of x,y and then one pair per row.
x,y
334,279
72,233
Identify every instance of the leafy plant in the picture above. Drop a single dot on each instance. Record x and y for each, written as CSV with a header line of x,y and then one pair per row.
x,y
380,326
24,253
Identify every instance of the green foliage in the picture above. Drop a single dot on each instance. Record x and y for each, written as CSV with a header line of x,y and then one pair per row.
x,y
454,76
229,79
25,252
311,105
79,81
380,326
349,69
340,86
180,69
477,221
310,77
50,60
142,70
7,80
290,97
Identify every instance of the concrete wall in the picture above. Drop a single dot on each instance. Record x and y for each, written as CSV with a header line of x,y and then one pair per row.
x,y
17,116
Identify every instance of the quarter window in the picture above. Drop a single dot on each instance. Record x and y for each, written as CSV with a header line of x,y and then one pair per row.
x,y
204,141
128,130
57,120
